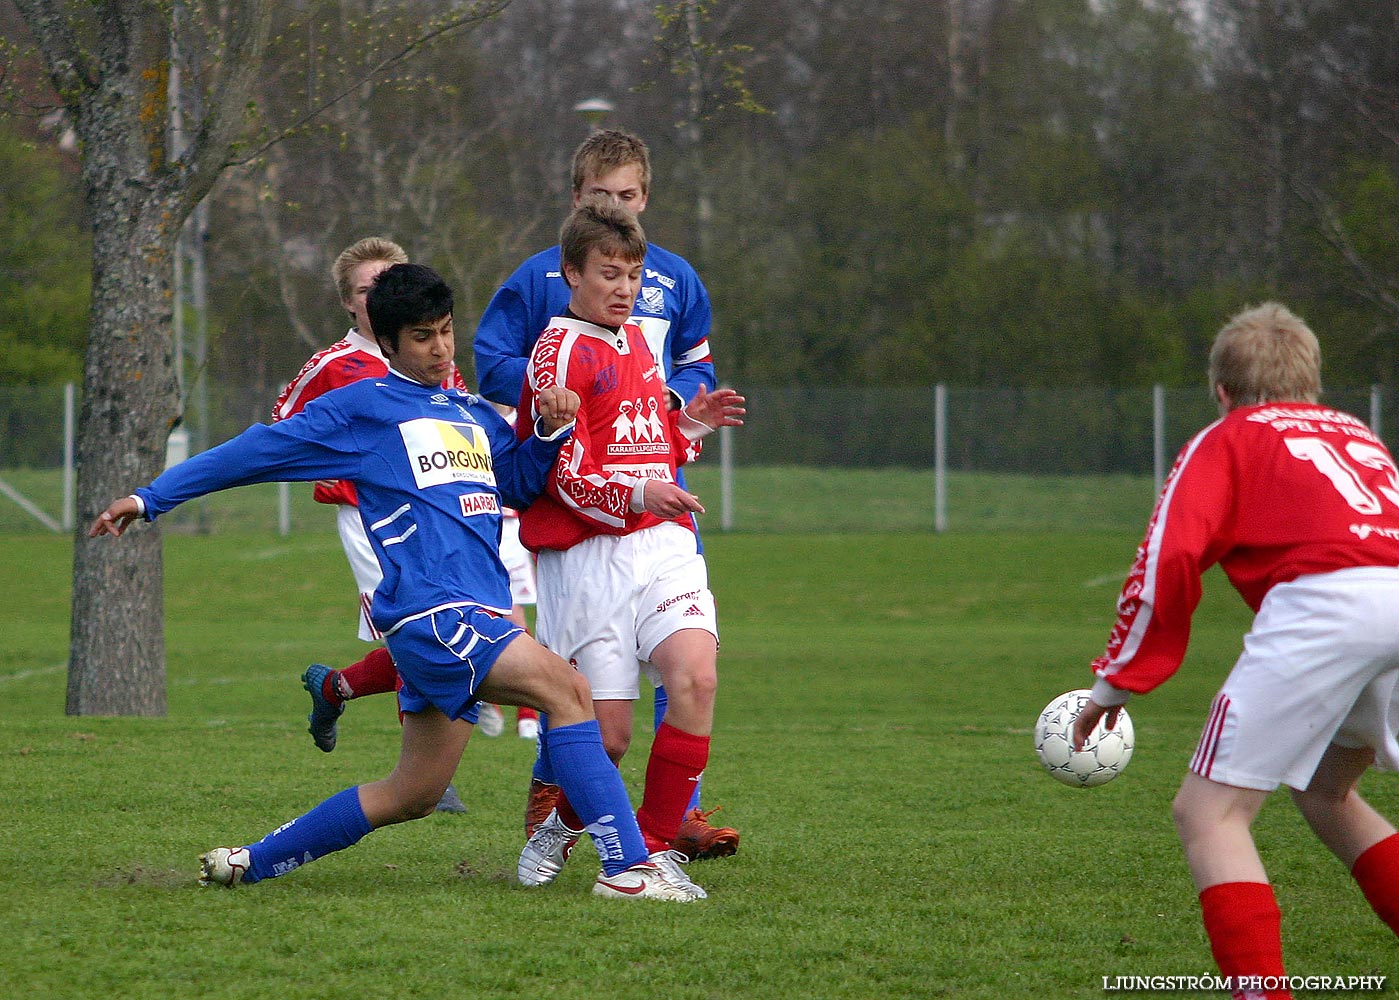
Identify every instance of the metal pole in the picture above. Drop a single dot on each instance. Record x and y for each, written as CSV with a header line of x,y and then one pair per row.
x,y
940,457
284,509
1375,411
69,436
726,479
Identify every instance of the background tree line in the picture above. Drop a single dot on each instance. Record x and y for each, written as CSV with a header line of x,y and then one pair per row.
x,y
1001,192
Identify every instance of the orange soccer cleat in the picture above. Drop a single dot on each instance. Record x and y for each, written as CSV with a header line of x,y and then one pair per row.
x,y
700,840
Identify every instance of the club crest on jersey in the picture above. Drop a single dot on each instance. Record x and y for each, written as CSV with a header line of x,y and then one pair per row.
x,y
651,300
640,428
440,452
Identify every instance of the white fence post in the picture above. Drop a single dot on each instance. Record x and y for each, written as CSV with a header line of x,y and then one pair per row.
x,y
940,457
284,509
69,437
726,479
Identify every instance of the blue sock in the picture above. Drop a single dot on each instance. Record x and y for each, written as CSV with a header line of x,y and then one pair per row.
x,y
595,790
662,702
543,767
335,824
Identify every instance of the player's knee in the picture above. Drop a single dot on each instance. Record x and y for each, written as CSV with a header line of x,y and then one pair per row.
x,y
695,687
565,690
416,802
616,745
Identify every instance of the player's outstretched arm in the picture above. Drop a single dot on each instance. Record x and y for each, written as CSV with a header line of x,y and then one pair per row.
x,y
115,519
668,500
720,408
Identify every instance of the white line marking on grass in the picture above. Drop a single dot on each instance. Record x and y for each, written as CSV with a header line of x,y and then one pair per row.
x,y
1105,579
24,675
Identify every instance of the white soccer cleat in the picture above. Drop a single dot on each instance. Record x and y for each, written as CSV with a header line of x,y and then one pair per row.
x,y
224,866
544,853
528,729
669,864
642,881
490,719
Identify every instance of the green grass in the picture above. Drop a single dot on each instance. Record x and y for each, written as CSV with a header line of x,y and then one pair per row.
x,y
873,745
782,499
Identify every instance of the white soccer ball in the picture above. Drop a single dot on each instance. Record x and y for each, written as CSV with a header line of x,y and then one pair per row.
x,y
1102,758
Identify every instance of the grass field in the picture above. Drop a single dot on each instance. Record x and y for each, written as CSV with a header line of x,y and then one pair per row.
x,y
873,745
785,499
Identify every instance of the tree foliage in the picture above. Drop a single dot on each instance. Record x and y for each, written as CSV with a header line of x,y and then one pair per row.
x,y
963,190
44,280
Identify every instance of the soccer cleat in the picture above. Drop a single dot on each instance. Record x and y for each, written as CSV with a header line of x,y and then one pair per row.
x,y
641,881
542,798
545,853
450,802
669,863
699,840
528,729
324,713
490,719
224,866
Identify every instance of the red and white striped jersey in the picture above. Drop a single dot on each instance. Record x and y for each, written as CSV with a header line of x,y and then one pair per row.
x,y
346,361
1271,493
624,433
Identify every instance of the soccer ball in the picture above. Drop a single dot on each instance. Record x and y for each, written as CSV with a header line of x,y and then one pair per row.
x,y
1102,758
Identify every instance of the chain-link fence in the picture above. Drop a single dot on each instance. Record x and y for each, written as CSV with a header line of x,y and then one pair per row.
x,y
832,459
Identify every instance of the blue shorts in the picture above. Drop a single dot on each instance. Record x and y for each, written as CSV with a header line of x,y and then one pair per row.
x,y
444,657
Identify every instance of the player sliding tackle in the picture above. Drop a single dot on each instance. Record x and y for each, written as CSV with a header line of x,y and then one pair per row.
x,y
432,467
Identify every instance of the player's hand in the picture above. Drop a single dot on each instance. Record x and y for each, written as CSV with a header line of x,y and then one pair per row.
x,y
557,406
114,520
1088,718
720,408
669,501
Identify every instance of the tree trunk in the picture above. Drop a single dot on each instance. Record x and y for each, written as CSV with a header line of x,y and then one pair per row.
x,y
117,664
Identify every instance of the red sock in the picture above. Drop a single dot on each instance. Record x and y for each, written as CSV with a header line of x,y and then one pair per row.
x,y
1377,872
524,712
566,813
677,760
375,674
1244,925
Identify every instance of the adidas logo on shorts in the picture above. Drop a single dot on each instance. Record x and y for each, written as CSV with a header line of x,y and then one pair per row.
x,y
693,611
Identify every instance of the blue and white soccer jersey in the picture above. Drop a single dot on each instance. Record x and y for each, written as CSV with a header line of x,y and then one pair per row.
x,y
606,603
672,309
1315,670
432,468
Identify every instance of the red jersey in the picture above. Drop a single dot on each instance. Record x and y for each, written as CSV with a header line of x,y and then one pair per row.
x,y
342,363
624,433
1270,492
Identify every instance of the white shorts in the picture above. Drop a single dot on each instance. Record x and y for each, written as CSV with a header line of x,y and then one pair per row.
x,y
609,601
363,565
519,562
1320,665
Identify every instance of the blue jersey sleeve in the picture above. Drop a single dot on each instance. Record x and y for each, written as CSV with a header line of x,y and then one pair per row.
x,y
522,466
317,443
687,362
500,347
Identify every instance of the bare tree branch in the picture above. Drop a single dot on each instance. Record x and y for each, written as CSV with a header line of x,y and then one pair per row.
x,y
480,12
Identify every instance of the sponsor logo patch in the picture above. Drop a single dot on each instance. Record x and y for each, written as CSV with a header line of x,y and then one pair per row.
x,y
440,451
479,503
664,279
